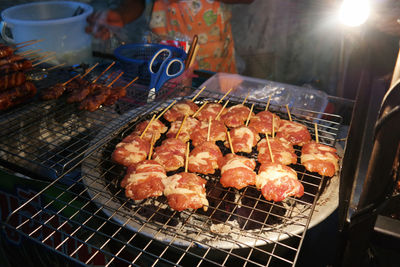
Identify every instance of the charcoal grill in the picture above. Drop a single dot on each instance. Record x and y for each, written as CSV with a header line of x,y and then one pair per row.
x,y
240,227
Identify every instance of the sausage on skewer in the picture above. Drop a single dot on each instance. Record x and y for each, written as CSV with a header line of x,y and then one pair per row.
x,y
12,80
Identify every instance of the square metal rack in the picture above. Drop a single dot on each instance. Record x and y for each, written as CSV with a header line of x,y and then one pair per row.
x,y
240,228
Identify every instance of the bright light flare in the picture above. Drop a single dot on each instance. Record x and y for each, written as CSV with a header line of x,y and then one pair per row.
x,y
354,12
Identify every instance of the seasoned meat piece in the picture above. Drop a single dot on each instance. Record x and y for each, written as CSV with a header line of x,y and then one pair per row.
x,y
277,182
282,151
295,133
320,158
210,110
144,180
262,122
171,154
217,132
185,191
180,110
243,139
156,128
237,171
204,158
131,150
188,127
236,115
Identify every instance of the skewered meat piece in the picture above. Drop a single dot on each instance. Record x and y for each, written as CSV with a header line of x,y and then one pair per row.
x,y
262,122
81,92
17,95
243,139
210,110
236,115
156,128
53,92
237,171
188,127
185,191
204,158
97,97
277,182
116,93
217,132
15,66
171,154
12,80
144,180
282,151
294,132
9,60
6,51
320,158
76,84
131,150
180,110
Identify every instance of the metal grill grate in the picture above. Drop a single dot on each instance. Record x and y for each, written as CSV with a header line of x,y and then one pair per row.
x,y
47,138
240,227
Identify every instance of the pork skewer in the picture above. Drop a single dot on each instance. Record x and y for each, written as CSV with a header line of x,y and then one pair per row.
x,y
182,108
205,157
243,138
237,171
17,95
12,80
277,181
236,115
145,179
81,92
295,133
98,95
320,158
185,190
117,93
132,149
7,51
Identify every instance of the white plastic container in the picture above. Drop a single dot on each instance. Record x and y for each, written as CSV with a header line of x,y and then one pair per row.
x,y
54,22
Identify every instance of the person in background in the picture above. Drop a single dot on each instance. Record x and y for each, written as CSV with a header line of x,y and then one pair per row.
x,y
179,19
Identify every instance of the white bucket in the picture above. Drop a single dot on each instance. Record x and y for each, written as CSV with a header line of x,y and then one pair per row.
x,y
56,24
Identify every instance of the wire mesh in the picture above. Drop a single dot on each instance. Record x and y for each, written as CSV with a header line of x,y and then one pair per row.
x,y
47,138
240,228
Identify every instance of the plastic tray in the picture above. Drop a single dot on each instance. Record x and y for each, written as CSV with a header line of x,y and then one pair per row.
x,y
281,94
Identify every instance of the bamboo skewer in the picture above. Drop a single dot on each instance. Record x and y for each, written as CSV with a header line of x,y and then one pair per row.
x,y
209,129
230,142
165,110
153,138
147,127
89,70
42,55
269,148
113,81
43,61
70,80
222,109
198,111
180,128
201,90
248,117
245,99
27,43
104,71
288,112
187,156
267,106
316,133
128,84
227,93
28,52
273,126
56,66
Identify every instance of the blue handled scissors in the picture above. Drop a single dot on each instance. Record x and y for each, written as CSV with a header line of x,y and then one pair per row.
x,y
168,69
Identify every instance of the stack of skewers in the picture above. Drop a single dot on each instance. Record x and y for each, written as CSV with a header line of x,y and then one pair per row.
x,y
211,129
89,94
15,87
